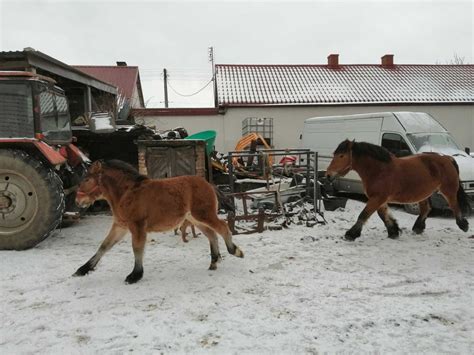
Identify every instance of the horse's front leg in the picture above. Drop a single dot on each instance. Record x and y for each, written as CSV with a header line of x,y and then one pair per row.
x,y
390,222
115,234
138,230
425,209
372,205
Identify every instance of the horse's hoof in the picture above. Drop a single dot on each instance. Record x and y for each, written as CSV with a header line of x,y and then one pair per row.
x,y
463,224
418,230
134,277
394,232
213,266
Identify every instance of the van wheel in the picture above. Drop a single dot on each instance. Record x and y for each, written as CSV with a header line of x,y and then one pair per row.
x,y
31,200
412,208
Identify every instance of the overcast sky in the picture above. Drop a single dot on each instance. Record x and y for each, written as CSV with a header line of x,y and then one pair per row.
x,y
176,35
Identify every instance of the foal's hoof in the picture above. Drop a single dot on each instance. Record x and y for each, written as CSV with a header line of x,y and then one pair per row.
x,y
238,253
351,235
83,270
134,277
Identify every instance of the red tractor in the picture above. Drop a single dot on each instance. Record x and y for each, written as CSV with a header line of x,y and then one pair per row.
x,y
40,168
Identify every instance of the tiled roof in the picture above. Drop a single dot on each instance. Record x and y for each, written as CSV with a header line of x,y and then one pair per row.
x,y
348,84
123,77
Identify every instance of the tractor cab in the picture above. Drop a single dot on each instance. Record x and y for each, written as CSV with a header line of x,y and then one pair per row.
x,y
33,108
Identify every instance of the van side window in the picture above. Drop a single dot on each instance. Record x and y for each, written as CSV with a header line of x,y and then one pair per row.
x,y
395,144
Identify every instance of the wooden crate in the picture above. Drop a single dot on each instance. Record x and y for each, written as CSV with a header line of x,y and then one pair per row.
x,y
160,159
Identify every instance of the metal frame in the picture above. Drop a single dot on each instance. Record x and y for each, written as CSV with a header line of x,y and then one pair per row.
x,y
308,168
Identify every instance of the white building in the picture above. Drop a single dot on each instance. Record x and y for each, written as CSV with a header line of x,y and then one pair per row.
x,y
289,94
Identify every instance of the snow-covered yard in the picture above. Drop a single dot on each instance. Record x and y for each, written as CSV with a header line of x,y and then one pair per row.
x,y
300,290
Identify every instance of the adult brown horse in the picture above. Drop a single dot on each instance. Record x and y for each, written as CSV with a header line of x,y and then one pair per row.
x,y
387,178
142,205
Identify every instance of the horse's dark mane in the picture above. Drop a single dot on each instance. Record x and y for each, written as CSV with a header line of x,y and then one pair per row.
x,y
365,149
126,168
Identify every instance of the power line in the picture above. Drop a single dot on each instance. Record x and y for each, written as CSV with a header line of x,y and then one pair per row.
x,y
188,95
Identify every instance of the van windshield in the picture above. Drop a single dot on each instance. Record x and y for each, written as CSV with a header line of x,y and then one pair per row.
x,y
434,142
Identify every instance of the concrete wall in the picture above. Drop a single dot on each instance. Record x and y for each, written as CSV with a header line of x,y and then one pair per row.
x,y
288,121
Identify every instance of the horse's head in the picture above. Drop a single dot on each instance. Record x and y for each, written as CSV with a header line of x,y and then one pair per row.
x,y
89,190
341,162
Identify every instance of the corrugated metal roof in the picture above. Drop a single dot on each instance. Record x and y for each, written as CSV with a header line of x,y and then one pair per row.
x,y
123,77
23,60
348,84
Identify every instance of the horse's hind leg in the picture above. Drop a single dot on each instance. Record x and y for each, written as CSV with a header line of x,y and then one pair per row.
x,y
193,231
425,209
138,244
213,243
451,197
182,229
115,234
390,222
221,228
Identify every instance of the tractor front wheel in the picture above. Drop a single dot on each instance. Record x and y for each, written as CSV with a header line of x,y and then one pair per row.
x,y
31,200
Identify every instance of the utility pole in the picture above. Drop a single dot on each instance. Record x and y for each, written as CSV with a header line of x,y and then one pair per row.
x,y
211,59
165,78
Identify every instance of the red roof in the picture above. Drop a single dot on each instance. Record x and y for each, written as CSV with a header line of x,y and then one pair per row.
x,y
346,84
125,78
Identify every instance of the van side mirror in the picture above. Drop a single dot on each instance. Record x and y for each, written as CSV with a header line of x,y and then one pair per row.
x,y
467,150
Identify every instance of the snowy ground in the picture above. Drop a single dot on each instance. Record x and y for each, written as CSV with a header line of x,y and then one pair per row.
x,y
301,290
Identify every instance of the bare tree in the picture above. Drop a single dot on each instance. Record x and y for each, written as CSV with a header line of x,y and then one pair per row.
x,y
457,60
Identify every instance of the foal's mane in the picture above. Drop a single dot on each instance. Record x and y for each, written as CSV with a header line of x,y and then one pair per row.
x,y
126,169
365,149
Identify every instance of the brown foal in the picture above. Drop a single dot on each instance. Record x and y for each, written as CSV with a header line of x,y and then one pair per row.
x,y
142,205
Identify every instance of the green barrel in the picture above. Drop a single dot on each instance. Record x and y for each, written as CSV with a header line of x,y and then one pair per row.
x,y
208,136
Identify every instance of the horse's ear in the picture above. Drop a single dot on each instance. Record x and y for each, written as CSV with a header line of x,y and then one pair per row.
x,y
96,167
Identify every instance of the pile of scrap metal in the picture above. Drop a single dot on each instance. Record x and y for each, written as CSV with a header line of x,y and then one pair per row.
x,y
271,188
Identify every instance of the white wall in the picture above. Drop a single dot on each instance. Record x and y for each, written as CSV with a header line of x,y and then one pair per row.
x,y
288,121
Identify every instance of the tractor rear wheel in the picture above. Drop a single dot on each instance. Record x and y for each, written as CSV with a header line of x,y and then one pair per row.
x,y
31,200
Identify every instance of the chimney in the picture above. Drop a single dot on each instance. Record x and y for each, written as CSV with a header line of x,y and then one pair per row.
x,y
121,64
333,61
387,61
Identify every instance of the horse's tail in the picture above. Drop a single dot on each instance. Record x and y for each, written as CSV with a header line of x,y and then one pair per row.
x,y
223,200
463,198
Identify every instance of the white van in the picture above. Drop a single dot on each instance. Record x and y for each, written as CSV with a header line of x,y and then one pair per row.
x,y
402,133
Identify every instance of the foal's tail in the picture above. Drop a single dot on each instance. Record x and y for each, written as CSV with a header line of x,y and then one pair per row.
x,y
463,198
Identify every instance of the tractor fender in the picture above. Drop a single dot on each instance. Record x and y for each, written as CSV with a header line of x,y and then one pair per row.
x,y
51,155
